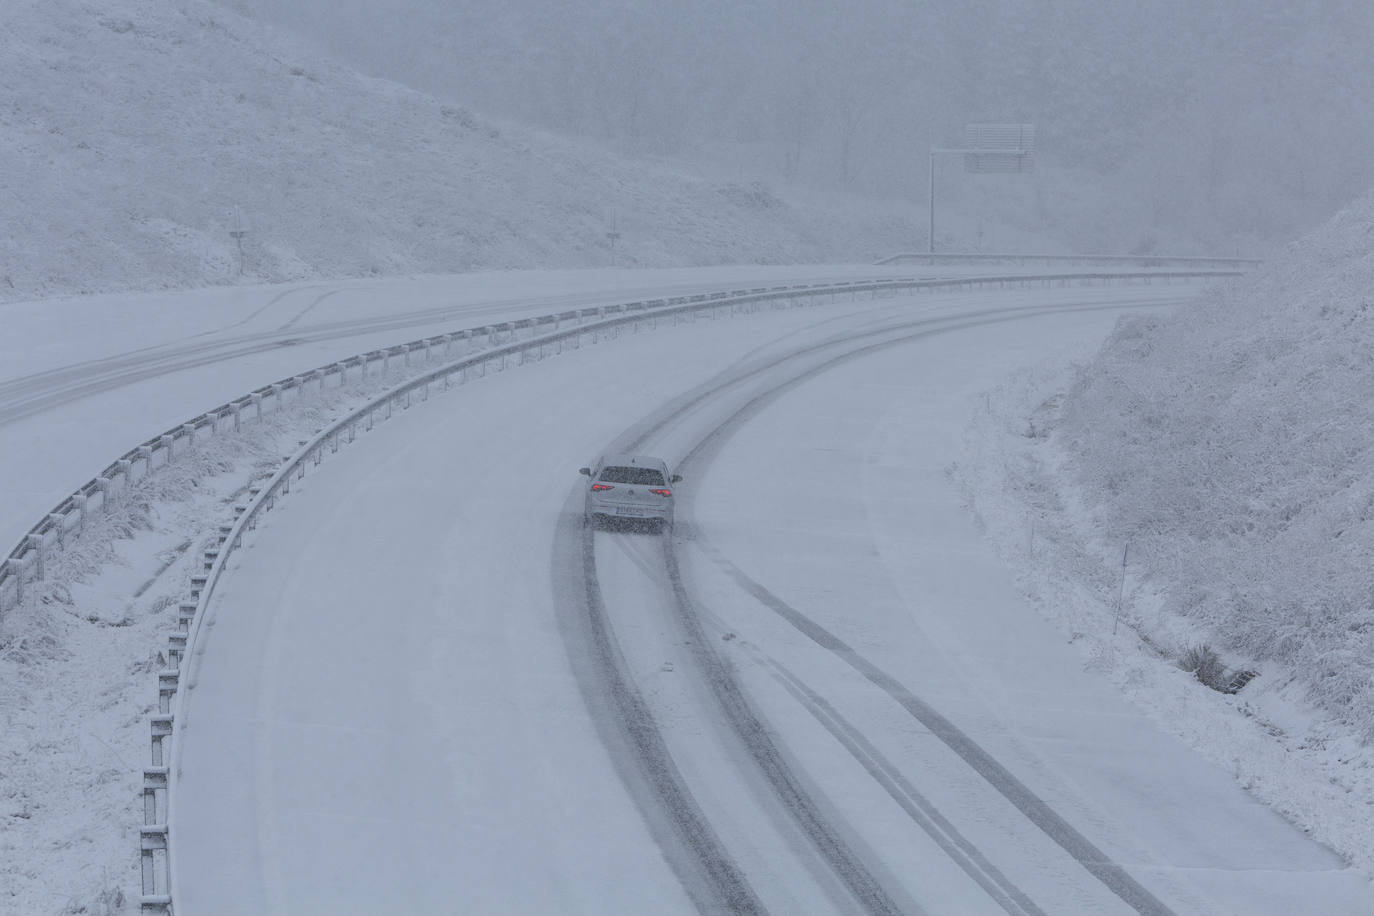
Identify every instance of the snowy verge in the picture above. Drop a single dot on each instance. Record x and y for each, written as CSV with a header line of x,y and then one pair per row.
x,y
1298,760
78,663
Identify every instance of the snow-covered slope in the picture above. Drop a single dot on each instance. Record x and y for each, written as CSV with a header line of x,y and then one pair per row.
x,y
1231,444
136,135
1223,452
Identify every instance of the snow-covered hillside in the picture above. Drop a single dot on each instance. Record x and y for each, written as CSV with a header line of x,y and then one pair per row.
x,y
1223,451
137,135
1232,445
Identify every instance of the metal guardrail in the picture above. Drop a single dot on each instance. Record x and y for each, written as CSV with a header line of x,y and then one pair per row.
x,y
503,344
27,560
1124,261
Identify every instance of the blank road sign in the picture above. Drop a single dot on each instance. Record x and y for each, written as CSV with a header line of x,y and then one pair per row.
x,y
999,148
1019,138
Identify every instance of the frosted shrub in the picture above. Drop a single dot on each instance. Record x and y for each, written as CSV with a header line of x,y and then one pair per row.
x,y
1205,665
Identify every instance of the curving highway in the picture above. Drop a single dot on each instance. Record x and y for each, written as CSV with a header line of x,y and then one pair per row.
x,y
425,687
74,372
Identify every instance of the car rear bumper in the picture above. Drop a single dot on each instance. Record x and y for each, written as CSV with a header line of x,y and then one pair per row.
x,y
629,510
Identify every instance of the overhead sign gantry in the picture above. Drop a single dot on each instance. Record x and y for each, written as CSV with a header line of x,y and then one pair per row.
x,y
989,148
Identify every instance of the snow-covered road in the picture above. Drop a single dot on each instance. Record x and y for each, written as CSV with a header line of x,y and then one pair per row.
x,y
83,380
425,687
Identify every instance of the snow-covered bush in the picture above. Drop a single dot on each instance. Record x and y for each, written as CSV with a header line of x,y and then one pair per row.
x,y
1232,444
1205,665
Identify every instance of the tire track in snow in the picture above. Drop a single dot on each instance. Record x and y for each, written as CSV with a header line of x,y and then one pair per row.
x,y
295,320
695,852
608,687
1093,859
1097,862
30,394
26,395
919,808
691,846
850,868
757,737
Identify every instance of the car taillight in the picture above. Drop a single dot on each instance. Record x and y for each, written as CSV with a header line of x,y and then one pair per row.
x,y
662,492
596,487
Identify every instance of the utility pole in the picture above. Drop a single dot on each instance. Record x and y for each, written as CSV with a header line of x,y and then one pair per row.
x,y
237,234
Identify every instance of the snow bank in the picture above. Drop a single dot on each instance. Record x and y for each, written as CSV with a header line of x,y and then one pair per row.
x,y
79,657
1231,444
1226,450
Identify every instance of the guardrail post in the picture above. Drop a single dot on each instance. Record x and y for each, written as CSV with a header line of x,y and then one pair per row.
x,y
154,787
166,689
176,649
36,545
152,841
160,728
16,571
58,527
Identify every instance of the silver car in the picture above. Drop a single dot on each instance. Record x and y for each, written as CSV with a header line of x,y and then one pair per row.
x,y
630,488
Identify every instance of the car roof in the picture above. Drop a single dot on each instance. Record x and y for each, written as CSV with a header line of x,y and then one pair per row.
x,y
634,461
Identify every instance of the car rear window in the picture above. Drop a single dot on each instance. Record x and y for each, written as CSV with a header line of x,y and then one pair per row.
x,y
645,477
